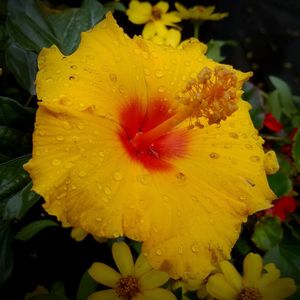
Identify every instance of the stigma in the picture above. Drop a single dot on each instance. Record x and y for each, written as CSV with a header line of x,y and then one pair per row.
x,y
212,94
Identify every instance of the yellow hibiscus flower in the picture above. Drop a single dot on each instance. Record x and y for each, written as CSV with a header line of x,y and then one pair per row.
x,y
134,282
200,13
152,142
255,284
155,17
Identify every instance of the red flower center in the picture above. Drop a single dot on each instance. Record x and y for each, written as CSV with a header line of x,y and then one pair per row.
x,y
157,154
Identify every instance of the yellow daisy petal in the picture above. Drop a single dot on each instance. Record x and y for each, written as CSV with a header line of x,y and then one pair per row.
x,y
141,266
272,274
170,18
123,258
149,31
153,279
252,270
232,276
104,295
104,274
279,289
271,163
139,12
162,6
158,293
218,287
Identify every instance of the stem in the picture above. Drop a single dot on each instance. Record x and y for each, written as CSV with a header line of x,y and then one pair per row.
x,y
197,25
144,140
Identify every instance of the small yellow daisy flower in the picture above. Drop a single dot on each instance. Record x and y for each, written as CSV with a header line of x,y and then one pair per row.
x,y
134,282
254,285
155,17
172,38
199,12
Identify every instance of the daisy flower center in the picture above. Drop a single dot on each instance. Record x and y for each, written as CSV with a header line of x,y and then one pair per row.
x,y
127,287
249,293
156,13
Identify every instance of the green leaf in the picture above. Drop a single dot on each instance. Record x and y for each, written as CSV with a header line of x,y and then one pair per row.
x,y
13,177
296,121
273,104
296,150
18,205
86,287
58,291
113,5
214,49
287,259
242,246
33,228
34,26
14,142
267,233
23,64
6,257
285,96
280,183
14,115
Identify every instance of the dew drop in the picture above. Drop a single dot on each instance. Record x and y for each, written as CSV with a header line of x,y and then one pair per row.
x,y
143,179
233,135
181,176
147,72
159,73
48,80
161,89
73,67
116,234
60,138
56,162
158,252
195,199
60,196
68,165
73,187
101,154
243,198
80,126
73,78
113,77
214,155
226,146
98,219
255,158
41,132
165,198
107,190
195,248
118,176
105,199
248,146
82,173
180,250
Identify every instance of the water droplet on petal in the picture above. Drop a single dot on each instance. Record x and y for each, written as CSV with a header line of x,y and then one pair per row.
x,y
82,173
68,165
233,135
248,146
159,73
107,190
243,198
98,219
255,158
56,162
180,250
165,198
158,252
144,179
161,89
60,138
113,77
118,176
195,248
214,155
41,132
181,176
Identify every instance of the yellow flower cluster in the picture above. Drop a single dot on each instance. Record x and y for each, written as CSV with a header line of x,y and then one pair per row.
x,y
157,19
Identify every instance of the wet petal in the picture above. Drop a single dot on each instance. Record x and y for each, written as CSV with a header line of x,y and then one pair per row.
x,y
104,274
123,258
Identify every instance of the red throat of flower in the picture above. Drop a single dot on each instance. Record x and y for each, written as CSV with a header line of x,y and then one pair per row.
x,y
154,151
153,138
